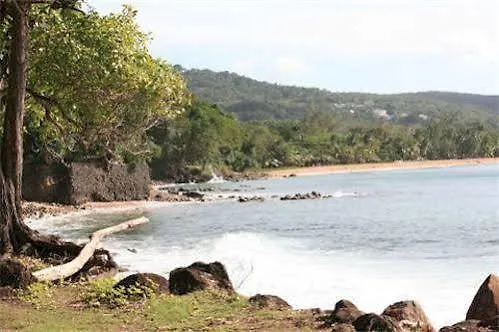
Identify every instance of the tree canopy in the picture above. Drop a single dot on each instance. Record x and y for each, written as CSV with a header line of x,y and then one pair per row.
x,y
93,87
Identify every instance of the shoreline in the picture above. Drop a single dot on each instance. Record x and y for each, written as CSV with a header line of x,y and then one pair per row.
x,y
384,166
34,211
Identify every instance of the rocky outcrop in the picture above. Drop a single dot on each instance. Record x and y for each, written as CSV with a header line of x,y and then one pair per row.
x,y
14,274
199,276
372,322
269,301
145,281
85,181
485,304
409,316
472,325
310,195
345,312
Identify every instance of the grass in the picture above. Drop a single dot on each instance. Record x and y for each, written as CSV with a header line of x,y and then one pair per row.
x,y
67,307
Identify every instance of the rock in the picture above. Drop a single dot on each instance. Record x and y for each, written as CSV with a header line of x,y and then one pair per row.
x,y
199,276
467,326
269,301
485,304
341,327
193,194
167,196
344,312
492,323
14,274
243,199
409,315
373,322
299,196
101,264
158,284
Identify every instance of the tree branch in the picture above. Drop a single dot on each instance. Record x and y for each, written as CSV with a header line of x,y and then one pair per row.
x,y
63,271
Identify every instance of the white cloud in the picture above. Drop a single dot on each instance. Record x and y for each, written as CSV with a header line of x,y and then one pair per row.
x,y
290,66
450,27
466,31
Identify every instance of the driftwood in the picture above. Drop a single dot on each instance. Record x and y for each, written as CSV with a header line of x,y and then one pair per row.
x,y
63,271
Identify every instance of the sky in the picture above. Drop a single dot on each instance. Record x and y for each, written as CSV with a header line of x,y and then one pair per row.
x,y
381,46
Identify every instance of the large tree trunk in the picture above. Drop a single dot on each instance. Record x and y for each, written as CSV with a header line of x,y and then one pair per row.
x,y
12,230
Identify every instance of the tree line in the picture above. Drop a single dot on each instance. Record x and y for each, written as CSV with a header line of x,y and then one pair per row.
x,y
207,138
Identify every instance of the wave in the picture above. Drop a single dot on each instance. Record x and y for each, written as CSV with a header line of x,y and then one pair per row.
x,y
307,278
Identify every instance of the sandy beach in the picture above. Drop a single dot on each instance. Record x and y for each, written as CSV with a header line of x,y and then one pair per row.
x,y
316,170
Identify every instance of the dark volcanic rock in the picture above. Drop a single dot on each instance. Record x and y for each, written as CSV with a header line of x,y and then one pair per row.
x,y
485,304
341,327
409,315
158,284
372,322
14,274
269,301
344,312
299,196
199,276
468,326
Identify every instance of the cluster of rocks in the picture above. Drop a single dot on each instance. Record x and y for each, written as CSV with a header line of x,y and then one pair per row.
x,y
398,317
35,210
299,196
195,277
295,197
482,316
403,316
176,195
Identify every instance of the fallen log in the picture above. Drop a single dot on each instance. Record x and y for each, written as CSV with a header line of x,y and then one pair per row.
x,y
63,271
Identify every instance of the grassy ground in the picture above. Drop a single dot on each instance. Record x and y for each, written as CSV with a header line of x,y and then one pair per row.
x,y
85,307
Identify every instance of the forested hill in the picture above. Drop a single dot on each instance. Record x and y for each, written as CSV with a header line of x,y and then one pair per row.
x,y
250,99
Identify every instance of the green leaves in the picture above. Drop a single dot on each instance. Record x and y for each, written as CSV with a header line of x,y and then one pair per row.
x,y
107,88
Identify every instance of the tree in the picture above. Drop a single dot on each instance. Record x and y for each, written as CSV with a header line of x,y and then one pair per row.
x,y
72,107
93,87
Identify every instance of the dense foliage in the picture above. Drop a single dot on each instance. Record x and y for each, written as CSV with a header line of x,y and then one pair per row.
x,y
93,88
253,100
210,139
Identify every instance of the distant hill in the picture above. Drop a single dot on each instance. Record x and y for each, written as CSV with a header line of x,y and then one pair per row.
x,y
250,99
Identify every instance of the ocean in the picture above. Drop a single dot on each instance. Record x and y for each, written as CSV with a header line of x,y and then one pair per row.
x,y
429,235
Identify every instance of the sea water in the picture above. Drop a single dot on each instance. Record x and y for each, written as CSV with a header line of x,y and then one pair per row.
x,y
429,235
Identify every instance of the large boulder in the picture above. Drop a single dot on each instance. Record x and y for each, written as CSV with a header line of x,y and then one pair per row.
x,y
14,274
372,322
410,316
471,325
144,281
199,276
485,304
345,312
269,301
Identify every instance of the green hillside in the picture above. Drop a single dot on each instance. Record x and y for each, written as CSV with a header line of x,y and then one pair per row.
x,y
250,99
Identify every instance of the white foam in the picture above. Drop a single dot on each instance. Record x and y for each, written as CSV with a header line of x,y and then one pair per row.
x,y
261,264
